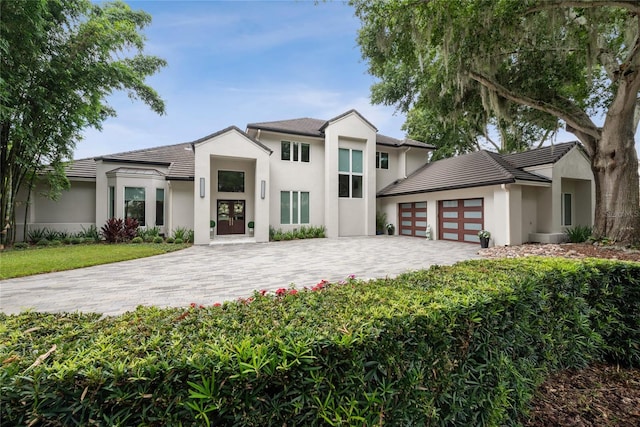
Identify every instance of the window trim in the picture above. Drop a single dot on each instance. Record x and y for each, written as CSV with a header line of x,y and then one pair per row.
x,y
161,210
351,174
296,151
380,158
142,222
295,206
563,210
111,201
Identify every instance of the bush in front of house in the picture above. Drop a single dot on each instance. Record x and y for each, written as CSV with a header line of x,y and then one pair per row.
x,y
458,345
158,239
304,232
579,233
137,239
117,230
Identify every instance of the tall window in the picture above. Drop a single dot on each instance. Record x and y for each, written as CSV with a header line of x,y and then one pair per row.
x,y
294,151
567,211
112,201
382,160
231,181
294,207
134,203
159,206
350,177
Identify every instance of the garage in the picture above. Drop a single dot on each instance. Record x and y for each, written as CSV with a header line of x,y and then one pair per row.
x,y
413,219
460,220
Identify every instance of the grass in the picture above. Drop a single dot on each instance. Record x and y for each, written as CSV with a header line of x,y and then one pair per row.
x,y
19,263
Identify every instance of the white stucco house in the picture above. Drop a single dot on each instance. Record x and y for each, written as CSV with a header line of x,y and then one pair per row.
x,y
336,173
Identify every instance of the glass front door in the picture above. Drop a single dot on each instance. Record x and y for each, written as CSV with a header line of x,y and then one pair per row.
x,y
231,217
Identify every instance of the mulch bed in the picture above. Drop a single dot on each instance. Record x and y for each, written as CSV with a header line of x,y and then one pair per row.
x,y
599,395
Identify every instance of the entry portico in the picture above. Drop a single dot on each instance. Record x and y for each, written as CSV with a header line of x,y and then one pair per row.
x,y
231,174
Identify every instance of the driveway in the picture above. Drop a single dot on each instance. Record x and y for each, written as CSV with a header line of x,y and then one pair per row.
x,y
209,274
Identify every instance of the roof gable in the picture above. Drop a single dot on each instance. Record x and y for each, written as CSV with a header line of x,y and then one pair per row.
x,y
232,129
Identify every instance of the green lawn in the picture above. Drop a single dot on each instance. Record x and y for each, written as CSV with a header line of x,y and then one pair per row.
x,y
18,263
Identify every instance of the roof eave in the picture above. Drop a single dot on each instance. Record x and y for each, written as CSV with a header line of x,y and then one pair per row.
x,y
452,187
130,161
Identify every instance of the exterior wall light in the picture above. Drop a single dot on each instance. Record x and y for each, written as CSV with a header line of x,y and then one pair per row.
x,y
202,187
263,189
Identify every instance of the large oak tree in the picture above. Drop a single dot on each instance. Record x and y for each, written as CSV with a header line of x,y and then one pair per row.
x,y
571,60
59,61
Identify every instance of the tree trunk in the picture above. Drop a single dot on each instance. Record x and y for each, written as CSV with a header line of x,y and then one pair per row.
x,y
615,169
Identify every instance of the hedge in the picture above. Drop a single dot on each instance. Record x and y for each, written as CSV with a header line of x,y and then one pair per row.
x,y
459,345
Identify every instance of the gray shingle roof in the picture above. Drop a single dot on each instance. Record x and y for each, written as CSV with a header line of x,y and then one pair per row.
x,y
82,168
540,156
178,157
476,169
315,128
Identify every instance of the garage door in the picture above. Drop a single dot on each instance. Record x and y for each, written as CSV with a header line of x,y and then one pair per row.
x,y
460,220
413,219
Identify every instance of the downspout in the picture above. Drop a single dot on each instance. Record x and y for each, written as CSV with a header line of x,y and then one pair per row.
x,y
507,197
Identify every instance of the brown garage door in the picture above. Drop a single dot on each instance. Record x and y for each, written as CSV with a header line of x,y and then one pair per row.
x,y
413,219
460,220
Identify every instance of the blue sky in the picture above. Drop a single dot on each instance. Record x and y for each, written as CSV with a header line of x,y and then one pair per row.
x,y
237,62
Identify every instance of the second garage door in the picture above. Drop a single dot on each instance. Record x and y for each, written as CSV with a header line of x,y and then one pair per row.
x,y
460,219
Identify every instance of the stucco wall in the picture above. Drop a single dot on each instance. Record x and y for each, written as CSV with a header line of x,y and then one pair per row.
x,y
76,205
529,211
288,175
181,205
232,145
350,131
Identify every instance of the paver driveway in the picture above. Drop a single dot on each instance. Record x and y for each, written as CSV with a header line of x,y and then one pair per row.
x,y
209,274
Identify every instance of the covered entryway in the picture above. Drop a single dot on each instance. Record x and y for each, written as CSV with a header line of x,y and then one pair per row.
x,y
413,219
460,220
231,217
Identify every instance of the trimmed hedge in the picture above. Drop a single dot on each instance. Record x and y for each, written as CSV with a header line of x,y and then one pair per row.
x,y
460,345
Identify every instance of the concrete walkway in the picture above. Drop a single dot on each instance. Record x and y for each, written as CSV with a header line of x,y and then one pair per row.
x,y
209,274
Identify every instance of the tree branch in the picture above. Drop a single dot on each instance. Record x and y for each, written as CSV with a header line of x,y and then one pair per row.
x,y
631,5
578,120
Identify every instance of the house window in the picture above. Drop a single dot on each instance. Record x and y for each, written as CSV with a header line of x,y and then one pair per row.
x,y
230,182
294,151
382,160
294,207
134,204
159,206
567,209
350,177
112,201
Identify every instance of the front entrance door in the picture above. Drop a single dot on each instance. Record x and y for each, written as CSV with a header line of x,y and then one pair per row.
x,y
231,217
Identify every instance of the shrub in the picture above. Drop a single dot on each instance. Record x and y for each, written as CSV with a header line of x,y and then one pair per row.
x,y
180,233
56,243
146,239
76,240
579,233
90,234
66,240
458,345
37,234
178,241
304,232
137,239
20,245
158,239
43,242
381,221
118,230
149,231
170,239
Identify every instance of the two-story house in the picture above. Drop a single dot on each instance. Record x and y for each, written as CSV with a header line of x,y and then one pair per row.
x,y
336,173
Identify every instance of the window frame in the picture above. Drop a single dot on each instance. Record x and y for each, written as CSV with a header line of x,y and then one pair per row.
x,y
380,157
299,152
355,179
111,201
126,206
160,204
221,190
296,210
564,210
